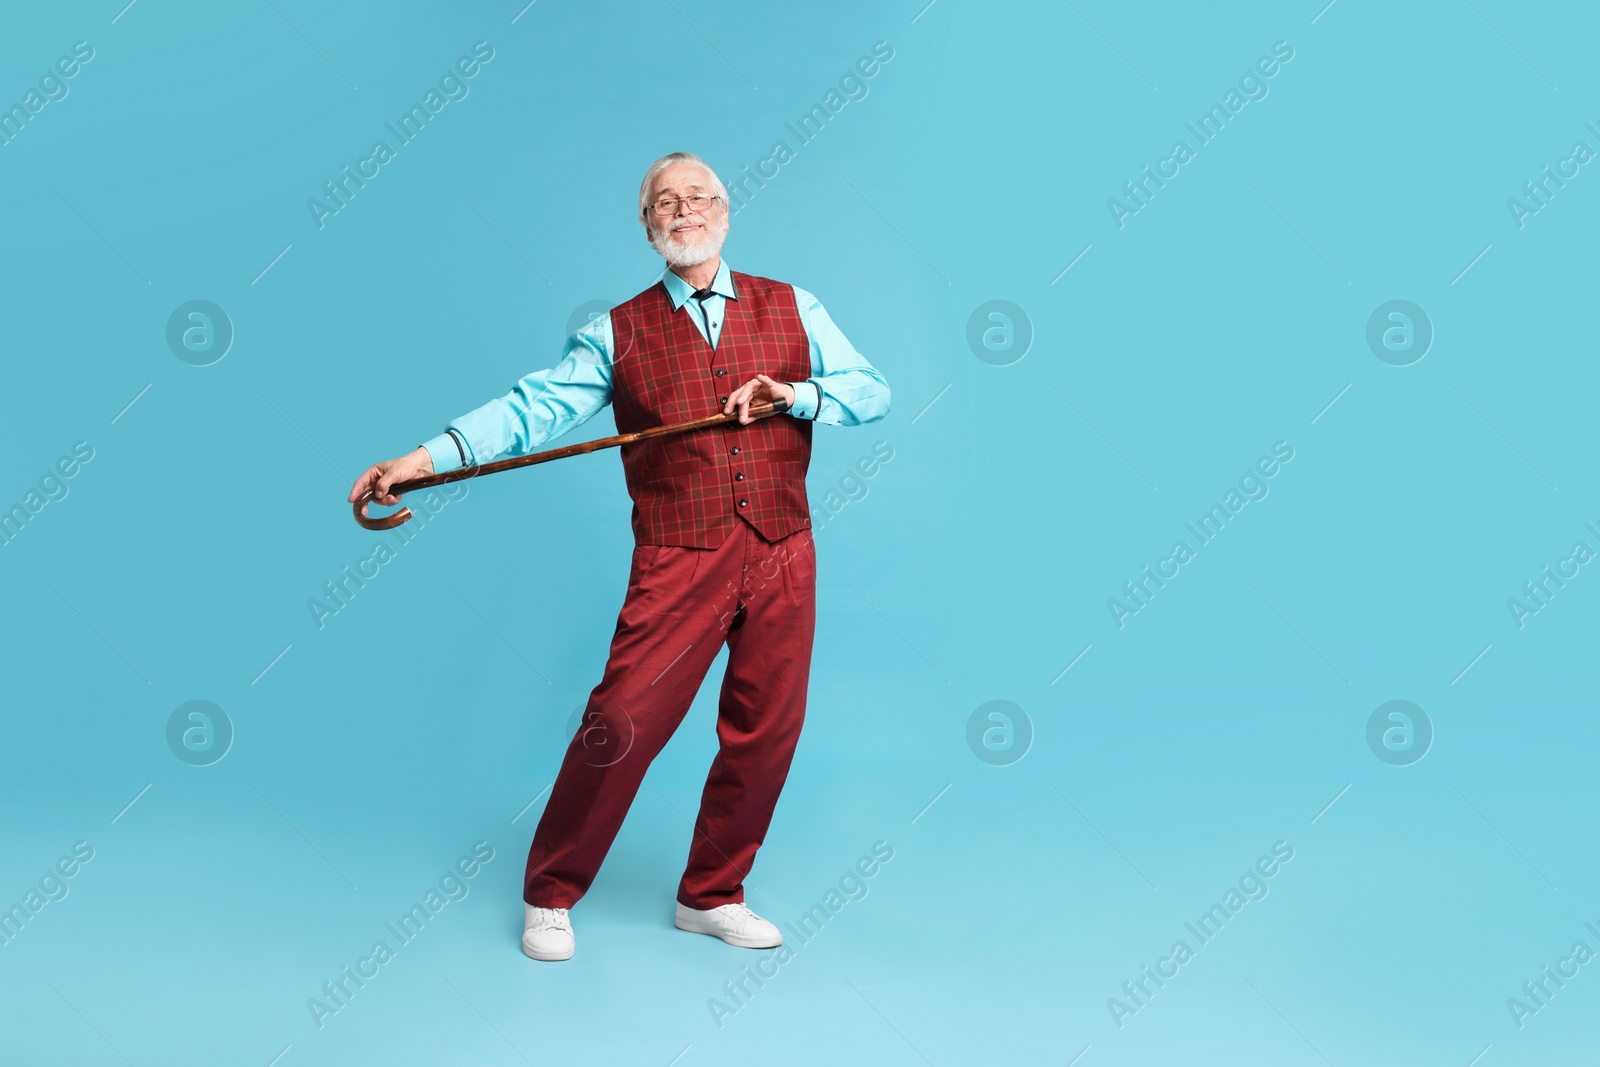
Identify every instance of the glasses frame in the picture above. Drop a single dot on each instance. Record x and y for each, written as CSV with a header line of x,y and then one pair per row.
x,y
654,206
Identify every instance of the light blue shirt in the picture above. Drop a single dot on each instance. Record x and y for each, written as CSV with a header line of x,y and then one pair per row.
x,y
843,389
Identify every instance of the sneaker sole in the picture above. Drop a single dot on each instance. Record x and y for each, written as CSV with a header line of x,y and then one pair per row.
x,y
546,957
732,939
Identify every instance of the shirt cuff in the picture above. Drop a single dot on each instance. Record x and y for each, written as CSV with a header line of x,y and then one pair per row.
x,y
807,399
446,456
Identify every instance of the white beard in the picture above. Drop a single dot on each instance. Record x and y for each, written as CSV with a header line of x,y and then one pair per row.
x,y
679,254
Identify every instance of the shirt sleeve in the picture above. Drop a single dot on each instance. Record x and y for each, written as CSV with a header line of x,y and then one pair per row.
x,y
542,405
844,389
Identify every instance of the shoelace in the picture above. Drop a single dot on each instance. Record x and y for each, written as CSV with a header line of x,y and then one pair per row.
x,y
556,917
739,911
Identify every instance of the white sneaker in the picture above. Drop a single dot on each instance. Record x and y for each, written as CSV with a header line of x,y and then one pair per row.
x,y
547,934
734,923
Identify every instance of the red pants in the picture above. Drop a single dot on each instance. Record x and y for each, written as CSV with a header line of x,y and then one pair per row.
x,y
682,604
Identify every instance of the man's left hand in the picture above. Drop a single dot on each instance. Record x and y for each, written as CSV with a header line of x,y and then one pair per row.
x,y
758,388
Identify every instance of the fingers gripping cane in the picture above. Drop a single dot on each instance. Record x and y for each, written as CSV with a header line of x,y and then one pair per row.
x,y
757,410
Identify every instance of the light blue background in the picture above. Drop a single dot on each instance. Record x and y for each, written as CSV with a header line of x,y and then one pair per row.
x,y
1227,315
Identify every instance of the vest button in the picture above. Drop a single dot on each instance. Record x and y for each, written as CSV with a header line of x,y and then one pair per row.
x,y
741,503
739,477
721,372
722,400
734,451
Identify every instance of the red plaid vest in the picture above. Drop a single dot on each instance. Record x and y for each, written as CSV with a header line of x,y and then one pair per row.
x,y
691,489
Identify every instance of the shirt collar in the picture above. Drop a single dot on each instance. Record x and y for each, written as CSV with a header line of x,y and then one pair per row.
x,y
680,290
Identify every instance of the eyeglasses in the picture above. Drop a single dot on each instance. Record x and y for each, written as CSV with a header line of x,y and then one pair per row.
x,y
668,205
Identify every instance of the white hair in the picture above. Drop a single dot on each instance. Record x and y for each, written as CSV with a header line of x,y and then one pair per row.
x,y
647,187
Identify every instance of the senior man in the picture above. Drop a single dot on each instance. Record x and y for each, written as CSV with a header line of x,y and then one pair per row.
x,y
723,547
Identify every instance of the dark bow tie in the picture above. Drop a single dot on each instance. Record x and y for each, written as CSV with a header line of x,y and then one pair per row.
x,y
703,295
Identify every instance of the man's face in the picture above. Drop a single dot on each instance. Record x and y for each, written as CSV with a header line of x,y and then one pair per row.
x,y
687,237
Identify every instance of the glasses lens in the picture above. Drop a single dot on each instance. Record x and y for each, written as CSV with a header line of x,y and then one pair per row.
x,y
669,205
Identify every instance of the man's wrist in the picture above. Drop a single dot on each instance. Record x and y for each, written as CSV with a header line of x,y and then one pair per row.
x,y
442,453
805,399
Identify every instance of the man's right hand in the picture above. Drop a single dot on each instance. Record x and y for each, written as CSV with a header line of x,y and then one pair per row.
x,y
380,476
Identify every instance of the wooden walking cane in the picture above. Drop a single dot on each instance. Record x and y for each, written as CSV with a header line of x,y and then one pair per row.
x,y
758,410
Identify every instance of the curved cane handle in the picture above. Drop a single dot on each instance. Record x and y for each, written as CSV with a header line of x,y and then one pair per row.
x,y
386,522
